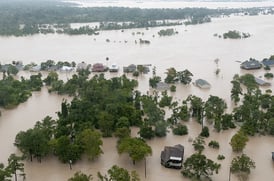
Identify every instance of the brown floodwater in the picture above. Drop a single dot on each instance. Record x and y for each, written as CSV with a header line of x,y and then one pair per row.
x,y
194,48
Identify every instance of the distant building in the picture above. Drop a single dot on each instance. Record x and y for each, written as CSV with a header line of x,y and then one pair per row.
x,y
268,62
114,68
251,64
162,86
172,156
202,84
82,66
66,69
98,67
261,82
129,69
36,68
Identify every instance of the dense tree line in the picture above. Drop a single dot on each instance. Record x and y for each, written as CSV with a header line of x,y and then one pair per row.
x,y
30,17
14,92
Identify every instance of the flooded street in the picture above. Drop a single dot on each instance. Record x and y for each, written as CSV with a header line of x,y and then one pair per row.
x,y
194,48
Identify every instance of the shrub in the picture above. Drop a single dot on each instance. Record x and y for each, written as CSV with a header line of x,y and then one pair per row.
x,y
180,130
221,157
214,144
173,88
205,132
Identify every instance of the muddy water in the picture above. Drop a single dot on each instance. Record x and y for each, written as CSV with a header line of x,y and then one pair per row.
x,y
194,48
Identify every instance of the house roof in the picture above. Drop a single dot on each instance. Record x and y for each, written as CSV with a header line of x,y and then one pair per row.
x,y
202,83
162,86
268,62
251,64
170,152
261,82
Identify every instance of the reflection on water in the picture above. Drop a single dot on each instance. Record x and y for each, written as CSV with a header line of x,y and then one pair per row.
x,y
194,48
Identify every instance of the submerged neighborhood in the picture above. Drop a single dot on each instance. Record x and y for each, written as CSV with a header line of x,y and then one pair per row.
x,y
96,92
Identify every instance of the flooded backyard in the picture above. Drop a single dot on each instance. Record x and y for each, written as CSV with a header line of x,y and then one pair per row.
x,y
193,48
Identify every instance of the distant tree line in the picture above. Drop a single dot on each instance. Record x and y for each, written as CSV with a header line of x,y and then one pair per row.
x,y
30,17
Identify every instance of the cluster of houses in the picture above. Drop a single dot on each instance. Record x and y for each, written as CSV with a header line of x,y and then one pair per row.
x,y
97,67
253,64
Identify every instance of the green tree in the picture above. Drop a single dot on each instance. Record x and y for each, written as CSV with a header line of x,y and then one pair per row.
x,y
116,173
137,148
180,129
51,78
65,150
79,176
199,144
15,164
184,76
91,143
33,142
242,165
238,141
161,128
171,75
4,173
214,106
197,166
196,107
146,131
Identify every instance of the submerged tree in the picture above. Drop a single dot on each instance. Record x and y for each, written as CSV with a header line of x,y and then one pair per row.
x,y
137,148
242,165
197,166
15,164
238,141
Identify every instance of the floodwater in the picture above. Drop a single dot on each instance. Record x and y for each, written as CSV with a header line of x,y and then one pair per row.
x,y
170,3
194,48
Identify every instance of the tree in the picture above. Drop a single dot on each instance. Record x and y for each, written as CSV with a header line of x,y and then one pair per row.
x,y
91,143
65,150
15,164
116,173
214,107
160,128
205,132
4,173
238,141
198,166
146,131
184,76
171,75
198,144
196,107
242,165
51,78
180,129
79,176
33,142
236,90
137,148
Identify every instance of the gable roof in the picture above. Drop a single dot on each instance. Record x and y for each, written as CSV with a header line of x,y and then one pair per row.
x,y
251,64
267,62
262,82
202,83
172,152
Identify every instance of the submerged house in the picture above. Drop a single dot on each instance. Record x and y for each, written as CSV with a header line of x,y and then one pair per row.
x,y
98,67
172,156
129,69
251,64
268,62
114,68
261,82
162,86
203,84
